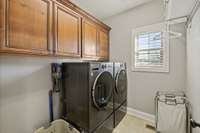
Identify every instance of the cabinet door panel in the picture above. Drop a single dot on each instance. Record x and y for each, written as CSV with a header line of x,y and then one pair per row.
x,y
2,23
103,44
68,32
29,25
89,39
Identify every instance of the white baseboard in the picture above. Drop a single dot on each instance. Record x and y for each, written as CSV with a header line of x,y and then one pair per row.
x,y
141,115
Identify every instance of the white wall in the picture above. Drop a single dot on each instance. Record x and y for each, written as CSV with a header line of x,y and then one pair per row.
x,y
193,66
24,86
143,86
25,81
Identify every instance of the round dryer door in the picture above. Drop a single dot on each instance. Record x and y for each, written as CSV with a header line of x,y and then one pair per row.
x,y
121,82
102,89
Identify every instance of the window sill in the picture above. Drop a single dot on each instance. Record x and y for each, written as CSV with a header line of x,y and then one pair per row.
x,y
151,70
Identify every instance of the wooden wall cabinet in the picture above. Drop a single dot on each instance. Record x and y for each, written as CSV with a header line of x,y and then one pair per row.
x,y
53,28
67,32
95,41
26,25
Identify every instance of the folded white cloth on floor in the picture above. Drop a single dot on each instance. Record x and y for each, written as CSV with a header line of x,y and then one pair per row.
x,y
171,118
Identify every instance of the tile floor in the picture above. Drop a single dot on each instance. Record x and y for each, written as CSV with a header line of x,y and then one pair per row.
x,y
132,124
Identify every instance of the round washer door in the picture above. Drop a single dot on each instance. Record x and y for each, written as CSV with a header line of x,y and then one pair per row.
x,y
121,82
102,89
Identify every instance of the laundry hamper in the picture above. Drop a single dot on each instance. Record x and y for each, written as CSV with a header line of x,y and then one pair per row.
x,y
58,126
172,113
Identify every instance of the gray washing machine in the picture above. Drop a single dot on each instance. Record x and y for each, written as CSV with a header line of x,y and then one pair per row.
x,y
88,93
120,92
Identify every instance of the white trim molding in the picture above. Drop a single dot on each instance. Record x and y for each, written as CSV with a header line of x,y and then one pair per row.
x,y
158,27
141,115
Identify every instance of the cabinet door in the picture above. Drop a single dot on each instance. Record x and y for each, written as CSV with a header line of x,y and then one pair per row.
x,y
103,47
28,26
89,39
67,31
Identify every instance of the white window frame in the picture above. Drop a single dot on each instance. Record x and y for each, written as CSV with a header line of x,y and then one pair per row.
x,y
160,27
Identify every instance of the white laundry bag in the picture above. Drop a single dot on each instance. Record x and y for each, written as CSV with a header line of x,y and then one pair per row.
x,y
58,126
171,118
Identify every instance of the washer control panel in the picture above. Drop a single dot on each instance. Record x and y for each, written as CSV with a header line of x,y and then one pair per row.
x,y
106,65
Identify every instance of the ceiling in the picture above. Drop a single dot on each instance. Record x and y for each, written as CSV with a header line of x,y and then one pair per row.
x,y
105,8
175,10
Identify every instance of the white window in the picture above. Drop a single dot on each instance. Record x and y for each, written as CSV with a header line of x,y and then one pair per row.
x,y
150,50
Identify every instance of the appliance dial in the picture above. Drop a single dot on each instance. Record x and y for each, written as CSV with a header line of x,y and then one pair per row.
x,y
103,66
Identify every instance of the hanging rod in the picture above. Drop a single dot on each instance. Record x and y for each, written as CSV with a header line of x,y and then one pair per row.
x,y
194,10
177,20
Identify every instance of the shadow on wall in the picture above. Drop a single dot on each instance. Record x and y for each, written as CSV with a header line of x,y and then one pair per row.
x,y
24,86
24,102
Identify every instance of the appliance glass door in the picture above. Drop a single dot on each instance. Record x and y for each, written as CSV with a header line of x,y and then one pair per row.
x,y
121,82
102,89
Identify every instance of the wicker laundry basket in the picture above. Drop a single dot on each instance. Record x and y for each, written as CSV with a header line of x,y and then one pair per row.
x,y
58,126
